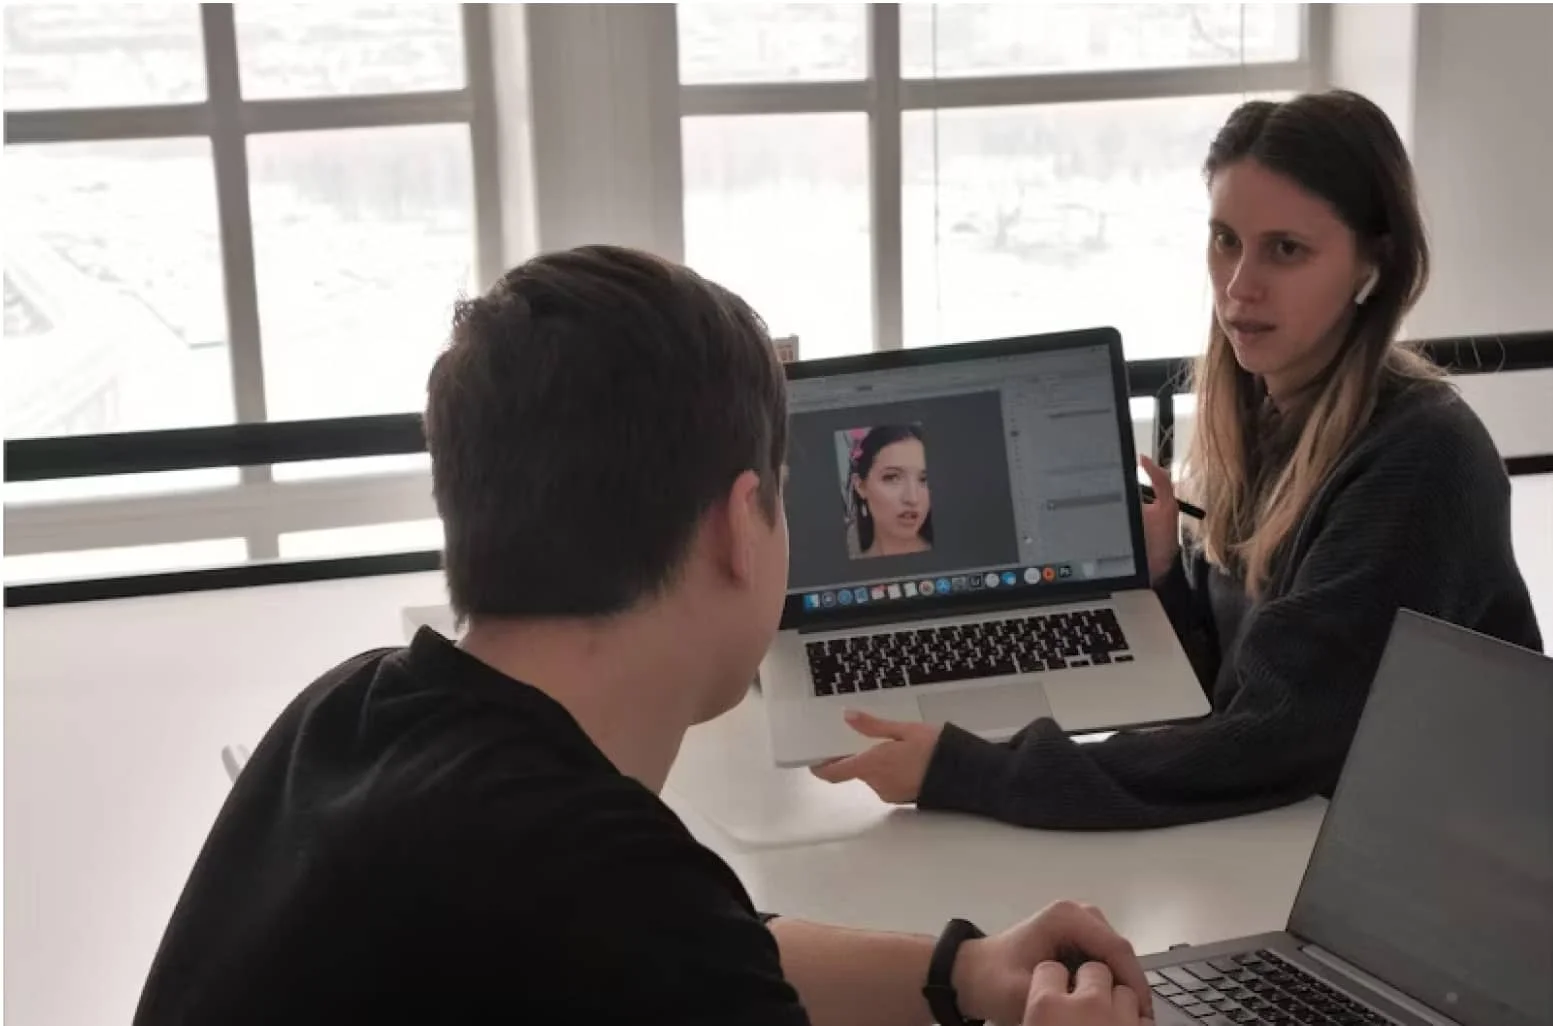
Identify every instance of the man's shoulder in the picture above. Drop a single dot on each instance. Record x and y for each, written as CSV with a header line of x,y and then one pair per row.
x,y
428,720
439,755
354,675
569,824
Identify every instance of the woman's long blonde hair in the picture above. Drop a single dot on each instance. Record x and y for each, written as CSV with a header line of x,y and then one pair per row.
x,y
1341,147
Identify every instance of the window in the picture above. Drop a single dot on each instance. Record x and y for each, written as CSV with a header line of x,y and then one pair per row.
x,y
224,213
250,194
338,49
370,540
114,246
759,42
121,561
746,176
1014,168
969,40
102,55
1020,220
220,213
744,179
362,242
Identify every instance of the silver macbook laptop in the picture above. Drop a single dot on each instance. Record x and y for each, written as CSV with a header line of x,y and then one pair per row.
x,y
1429,895
967,546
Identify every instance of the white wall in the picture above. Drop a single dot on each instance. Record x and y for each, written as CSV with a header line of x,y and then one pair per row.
x,y
1374,51
1470,88
1483,151
1482,146
604,80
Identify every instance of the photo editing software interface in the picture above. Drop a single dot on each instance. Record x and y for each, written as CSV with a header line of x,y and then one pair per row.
x,y
1003,472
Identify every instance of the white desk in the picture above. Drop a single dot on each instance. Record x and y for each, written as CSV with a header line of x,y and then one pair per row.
x,y
116,713
807,848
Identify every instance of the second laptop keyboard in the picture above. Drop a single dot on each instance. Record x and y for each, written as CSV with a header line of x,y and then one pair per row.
x,y
993,648
1258,988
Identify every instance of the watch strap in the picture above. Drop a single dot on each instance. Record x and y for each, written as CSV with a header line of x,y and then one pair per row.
x,y
939,991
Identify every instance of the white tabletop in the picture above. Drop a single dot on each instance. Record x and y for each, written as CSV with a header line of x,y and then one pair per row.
x,y
116,714
914,871
836,852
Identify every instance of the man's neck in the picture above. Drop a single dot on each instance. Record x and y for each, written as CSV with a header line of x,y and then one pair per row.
x,y
621,680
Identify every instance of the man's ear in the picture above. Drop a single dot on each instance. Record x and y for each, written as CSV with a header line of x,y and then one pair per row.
x,y
745,515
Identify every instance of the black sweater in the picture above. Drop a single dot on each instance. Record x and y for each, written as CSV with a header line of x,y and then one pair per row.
x,y
1416,515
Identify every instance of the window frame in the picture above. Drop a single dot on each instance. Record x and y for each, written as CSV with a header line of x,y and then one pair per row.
x,y
227,120
885,95
575,115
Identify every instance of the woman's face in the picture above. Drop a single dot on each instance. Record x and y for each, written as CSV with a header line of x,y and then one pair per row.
x,y
1285,270
896,491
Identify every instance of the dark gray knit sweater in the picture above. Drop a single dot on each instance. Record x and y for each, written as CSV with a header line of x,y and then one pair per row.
x,y
1417,514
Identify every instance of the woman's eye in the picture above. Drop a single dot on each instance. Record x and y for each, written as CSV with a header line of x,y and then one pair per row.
x,y
1287,249
1223,241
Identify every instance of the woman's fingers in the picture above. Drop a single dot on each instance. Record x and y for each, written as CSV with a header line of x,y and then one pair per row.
x,y
1159,477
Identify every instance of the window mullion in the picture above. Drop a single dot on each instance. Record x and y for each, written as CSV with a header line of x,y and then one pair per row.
x,y
1316,44
229,150
480,82
885,182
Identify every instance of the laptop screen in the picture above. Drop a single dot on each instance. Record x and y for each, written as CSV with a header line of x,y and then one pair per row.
x,y
970,473
1434,868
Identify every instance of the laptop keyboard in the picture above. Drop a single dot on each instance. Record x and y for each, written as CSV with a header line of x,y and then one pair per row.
x,y
934,655
1258,989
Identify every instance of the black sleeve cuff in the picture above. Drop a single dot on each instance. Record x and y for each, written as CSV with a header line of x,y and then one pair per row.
x,y
965,774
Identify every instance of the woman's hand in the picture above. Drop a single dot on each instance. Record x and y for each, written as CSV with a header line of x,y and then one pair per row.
x,y
1161,520
893,769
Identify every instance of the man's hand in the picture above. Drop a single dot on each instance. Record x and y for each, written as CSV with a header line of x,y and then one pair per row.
x,y
993,976
893,769
1095,1000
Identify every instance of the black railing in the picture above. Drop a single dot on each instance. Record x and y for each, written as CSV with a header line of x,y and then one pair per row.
x,y
238,445
1163,380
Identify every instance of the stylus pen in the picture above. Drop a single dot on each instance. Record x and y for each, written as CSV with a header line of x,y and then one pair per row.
x,y
1195,512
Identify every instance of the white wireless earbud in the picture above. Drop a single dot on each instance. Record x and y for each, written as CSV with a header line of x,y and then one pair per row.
x,y
1367,288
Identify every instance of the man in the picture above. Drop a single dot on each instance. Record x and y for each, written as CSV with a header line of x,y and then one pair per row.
x,y
473,833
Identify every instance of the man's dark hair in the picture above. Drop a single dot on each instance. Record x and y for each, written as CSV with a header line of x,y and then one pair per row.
x,y
591,407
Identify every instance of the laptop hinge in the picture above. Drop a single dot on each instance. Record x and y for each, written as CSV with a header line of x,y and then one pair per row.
x,y
892,615
1364,979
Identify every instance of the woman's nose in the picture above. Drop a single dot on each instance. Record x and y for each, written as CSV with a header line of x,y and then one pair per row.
x,y
1245,283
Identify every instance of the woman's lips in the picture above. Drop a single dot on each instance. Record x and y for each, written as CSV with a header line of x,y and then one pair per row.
x,y
1245,330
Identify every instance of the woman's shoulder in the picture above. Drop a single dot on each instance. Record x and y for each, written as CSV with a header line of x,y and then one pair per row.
x,y
1424,426
1429,413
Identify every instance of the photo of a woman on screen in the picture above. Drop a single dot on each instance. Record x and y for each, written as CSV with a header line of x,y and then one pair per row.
x,y
891,508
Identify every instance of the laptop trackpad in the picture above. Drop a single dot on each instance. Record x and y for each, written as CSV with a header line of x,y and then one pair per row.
x,y
1004,708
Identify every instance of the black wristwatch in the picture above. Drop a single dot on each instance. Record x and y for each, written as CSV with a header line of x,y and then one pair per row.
x,y
942,1001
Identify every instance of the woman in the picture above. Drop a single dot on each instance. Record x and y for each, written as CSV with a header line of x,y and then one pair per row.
x,y
1342,479
892,506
